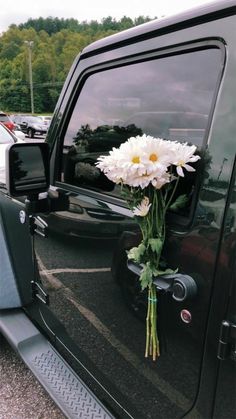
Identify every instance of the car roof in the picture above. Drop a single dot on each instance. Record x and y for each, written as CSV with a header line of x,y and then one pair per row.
x,y
26,116
190,17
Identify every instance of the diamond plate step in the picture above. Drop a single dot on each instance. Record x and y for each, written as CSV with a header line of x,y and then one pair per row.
x,y
69,393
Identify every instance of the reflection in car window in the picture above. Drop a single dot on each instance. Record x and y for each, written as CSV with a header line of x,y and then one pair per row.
x,y
168,97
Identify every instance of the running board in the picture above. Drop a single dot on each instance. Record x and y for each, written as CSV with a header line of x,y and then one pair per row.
x,y
70,394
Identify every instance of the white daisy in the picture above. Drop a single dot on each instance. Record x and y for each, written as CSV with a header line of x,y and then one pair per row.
x,y
184,154
157,154
160,181
135,180
131,154
143,208
109,164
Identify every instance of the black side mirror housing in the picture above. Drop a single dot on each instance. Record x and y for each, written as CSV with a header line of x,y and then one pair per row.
x,y
27,169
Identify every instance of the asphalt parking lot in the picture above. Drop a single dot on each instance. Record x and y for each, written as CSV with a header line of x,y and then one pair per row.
x,y
21,396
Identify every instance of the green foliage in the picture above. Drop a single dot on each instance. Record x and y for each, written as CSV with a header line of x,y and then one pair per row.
x,y
56,43
136,253
156,245
146,276
180,202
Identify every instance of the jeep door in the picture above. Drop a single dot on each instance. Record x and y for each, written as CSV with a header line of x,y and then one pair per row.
x,y
164,92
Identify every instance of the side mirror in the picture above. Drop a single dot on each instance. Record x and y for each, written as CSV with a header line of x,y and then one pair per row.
x,y
27,169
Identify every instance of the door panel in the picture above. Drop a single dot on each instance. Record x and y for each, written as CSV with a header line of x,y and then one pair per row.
x,y
225,398
83,262
104,313
15,247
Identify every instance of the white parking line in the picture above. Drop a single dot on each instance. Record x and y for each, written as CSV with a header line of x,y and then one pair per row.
x,y
72,270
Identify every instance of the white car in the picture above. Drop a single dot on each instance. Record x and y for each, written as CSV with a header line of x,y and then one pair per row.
x,y
18,133
6,138
46,119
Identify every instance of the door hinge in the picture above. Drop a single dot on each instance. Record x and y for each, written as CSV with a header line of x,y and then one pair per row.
x,y
227,341
38,226
38,292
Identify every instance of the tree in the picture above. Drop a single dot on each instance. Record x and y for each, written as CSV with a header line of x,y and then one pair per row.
x,y
56,43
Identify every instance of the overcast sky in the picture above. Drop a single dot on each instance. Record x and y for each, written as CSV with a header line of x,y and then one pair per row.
x,y
19,11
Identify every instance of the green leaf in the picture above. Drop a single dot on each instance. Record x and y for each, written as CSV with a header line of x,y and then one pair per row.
x,y
146,276
180,202
156,245
136,252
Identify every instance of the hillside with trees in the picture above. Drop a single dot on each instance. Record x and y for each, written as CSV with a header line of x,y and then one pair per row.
x,y
56,42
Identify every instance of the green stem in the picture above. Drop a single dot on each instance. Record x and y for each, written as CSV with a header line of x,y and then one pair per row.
x,y
154,326
153,226
172,195
157,350
152,342
153,333
147,324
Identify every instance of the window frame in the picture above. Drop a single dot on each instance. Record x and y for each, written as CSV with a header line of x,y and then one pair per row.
x,y
160,53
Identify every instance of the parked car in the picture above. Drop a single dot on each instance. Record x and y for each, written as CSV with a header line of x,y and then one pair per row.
x,y
18,132
74,311
7,121
31,125
46,119
6,138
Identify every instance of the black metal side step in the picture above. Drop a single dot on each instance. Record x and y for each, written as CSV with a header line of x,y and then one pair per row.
x,y
69,393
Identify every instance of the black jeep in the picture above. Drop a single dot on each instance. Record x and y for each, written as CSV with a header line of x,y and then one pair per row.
x,y
69,304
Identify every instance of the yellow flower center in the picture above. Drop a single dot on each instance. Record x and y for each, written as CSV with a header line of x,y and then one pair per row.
x,y
181,163
136,160
153,157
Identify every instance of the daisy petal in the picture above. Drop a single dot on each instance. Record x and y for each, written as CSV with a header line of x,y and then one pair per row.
x,y
189,168
180,171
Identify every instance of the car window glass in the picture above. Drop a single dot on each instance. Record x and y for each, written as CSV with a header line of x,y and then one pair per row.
x,y
4,118
168,97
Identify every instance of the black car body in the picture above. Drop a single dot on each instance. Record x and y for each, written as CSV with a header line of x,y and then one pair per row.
x,y
31,125
74,311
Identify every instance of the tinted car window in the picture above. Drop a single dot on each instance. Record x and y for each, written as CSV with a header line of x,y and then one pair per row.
x,y
3,117
168,97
